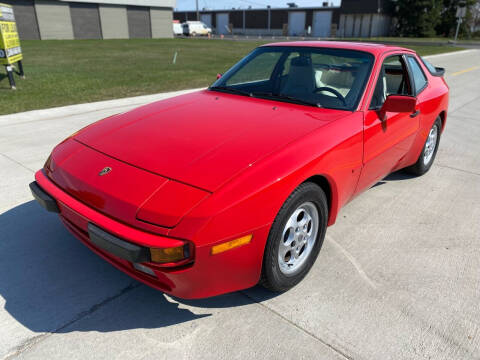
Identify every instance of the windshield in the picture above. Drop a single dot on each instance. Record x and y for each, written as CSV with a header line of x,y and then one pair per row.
x,y
323,77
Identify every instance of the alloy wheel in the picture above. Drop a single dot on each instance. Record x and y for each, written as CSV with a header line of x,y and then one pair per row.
x,y
430,145
298,238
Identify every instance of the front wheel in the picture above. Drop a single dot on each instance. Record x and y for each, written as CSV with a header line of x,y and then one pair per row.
x,y
429,151
295,238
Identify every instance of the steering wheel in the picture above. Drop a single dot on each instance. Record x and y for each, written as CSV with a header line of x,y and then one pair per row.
x,y
333,91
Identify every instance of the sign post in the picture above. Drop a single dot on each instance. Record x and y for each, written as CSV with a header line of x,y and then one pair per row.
x,y
461,13
10,50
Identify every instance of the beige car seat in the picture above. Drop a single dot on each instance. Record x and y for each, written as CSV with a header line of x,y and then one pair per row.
x,y
300,78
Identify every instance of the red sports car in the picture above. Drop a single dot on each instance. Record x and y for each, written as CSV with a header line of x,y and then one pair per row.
x,y
221,189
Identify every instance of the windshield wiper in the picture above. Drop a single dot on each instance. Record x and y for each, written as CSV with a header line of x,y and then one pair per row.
x,y
230,90
285,97
265,95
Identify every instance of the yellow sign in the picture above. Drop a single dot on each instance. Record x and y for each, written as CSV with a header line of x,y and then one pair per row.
x,y
10,50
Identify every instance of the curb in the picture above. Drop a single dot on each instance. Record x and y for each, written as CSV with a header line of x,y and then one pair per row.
x,y
77,109
451,53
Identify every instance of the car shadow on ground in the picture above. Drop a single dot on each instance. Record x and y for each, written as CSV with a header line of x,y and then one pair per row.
x,y
49,280
399,175
395,176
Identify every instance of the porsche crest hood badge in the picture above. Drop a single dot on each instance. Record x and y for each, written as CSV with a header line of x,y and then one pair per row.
x,y
105,171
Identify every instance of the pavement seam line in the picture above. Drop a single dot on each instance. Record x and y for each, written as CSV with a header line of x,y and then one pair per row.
x,y
31,342
17,162
363,275
305,331
457,169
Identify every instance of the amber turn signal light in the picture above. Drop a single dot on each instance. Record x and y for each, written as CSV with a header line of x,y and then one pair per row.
x,y
232,244
168,255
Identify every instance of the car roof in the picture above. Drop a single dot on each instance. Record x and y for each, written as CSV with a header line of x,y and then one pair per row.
x,y
372,48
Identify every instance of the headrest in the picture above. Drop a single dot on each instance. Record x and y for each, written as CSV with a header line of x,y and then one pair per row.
x,y
301,61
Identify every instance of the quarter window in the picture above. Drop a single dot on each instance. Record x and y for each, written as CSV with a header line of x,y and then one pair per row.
x,y
429,66
419,78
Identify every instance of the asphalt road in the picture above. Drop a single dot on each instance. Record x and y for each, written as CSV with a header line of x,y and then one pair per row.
x,y
397,278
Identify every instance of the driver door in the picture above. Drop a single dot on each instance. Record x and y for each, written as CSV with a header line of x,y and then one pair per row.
x,y
387,141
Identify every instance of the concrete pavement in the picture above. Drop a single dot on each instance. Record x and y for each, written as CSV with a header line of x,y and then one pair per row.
x,y
397,278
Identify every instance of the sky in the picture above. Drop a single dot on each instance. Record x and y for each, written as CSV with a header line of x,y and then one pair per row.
x,y
243,4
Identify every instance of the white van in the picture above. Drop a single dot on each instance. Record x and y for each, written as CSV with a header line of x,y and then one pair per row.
x,y
177,28
194,28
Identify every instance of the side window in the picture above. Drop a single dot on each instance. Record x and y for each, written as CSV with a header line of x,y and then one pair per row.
x,y
392,80
258,69
419,78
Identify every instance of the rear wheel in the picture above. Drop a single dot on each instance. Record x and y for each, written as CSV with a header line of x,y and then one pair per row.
x,y
295,238
429,151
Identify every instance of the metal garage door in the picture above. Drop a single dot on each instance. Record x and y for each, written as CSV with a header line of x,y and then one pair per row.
x,y
161,20
139,22
113,19
27,24
358,24
222,23
341,27
85,21
366,25
296,23
349,25
322,23
54,20
207,19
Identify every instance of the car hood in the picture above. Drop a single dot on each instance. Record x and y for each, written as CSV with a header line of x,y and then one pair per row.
x,y
204,138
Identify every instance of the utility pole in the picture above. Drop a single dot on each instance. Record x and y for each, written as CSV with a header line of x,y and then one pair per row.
x,y
198,14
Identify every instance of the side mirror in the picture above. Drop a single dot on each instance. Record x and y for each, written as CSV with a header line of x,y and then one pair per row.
x,y
398,104
219,76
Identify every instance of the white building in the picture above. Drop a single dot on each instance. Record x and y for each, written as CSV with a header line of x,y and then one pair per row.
x,y
89,19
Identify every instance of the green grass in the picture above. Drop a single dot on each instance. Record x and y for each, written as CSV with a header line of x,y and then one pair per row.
x,y
432,49
77,71
419,40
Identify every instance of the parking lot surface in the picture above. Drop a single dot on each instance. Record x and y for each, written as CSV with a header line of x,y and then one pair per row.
x,y
397,278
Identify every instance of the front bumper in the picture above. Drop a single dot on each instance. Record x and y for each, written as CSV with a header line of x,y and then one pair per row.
x,y
45,200
98,237
208,275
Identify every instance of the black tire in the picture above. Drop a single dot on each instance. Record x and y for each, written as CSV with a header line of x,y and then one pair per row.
x,y
420,167
272,277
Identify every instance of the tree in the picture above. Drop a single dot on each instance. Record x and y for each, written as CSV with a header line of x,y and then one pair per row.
x,y
418,18
448,21
475,23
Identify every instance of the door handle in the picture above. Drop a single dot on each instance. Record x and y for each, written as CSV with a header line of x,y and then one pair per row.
x,y
412,115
